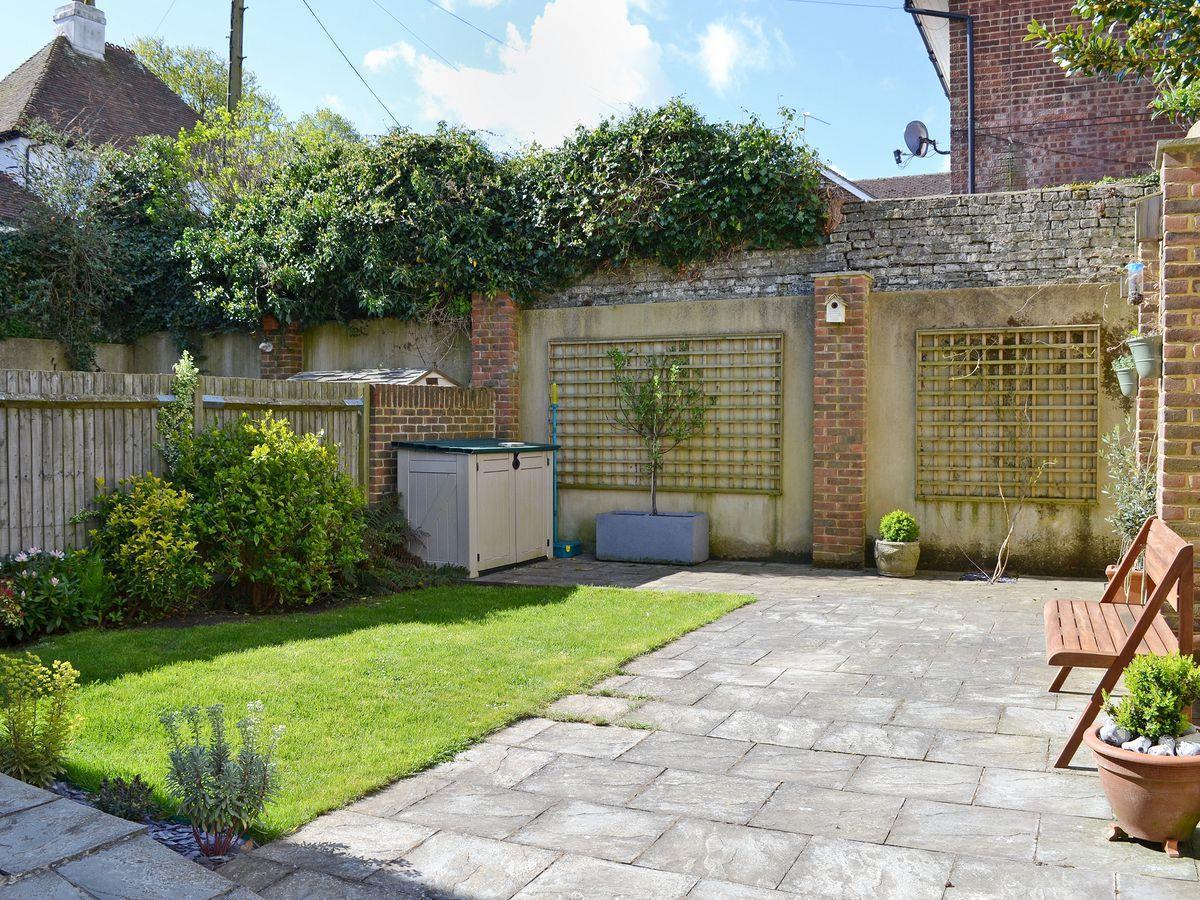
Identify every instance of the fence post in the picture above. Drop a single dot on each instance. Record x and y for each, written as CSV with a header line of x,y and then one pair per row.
x,y
364,440
198,405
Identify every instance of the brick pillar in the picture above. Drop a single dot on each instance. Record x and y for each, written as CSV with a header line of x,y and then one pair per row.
x,y
495,346
840,421
286,356
1179,299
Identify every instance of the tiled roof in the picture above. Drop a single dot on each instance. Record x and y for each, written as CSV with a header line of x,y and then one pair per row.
x,y
113,100
15,201
932,184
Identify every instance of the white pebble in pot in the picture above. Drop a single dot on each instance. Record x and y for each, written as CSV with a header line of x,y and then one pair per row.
x,y
1138,745
1112,734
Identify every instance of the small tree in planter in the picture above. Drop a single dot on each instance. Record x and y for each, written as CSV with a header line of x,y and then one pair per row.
x,y
661,402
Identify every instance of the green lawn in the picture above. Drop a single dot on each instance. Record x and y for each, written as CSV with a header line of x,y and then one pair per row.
x,y
368,692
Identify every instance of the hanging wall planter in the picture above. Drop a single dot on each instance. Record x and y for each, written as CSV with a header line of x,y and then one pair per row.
x,y
1146,350
1127,374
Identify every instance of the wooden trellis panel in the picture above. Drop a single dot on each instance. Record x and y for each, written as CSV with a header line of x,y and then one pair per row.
x,y
996,405
740,450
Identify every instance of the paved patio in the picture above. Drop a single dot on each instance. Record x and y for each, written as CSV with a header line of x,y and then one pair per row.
x,y
844,736
52,847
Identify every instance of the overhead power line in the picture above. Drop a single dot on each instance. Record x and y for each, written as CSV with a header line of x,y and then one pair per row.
x,y
352,66
158,27
424,43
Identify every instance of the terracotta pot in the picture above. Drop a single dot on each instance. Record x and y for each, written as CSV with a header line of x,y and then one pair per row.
x,y
1155,798
1131,590
897,559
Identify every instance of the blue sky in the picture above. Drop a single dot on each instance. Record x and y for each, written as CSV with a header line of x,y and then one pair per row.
x,y
863,69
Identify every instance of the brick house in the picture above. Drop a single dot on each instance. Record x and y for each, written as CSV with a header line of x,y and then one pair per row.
x,y
1035,127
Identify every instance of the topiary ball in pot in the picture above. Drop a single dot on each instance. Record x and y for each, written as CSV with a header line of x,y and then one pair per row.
x,y
897,550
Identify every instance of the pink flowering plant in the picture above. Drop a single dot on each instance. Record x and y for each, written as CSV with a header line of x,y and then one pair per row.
x,y
45,591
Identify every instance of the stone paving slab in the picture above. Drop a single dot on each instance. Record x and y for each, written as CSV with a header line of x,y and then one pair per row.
x,y
844,736
52,847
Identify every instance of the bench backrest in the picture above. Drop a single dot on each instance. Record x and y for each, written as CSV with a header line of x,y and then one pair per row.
x,y
1163,547
1167,561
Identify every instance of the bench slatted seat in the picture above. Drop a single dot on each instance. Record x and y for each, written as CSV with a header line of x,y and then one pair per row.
x,y
1108,634
1087,634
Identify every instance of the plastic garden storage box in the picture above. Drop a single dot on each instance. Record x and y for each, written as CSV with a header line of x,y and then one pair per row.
x,y
477,503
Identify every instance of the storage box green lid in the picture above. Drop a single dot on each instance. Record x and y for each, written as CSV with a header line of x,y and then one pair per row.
x,y
475,445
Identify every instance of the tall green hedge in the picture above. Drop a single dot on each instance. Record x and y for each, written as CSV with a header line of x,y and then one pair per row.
x,y
325,226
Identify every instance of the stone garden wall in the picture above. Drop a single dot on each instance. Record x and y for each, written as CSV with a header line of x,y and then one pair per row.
x,y
1053,236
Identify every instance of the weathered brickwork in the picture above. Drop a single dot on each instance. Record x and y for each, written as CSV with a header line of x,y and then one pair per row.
x,y
1179,396
495,350
286,357
1034,126
840,421
1149,321
1059,235
418,412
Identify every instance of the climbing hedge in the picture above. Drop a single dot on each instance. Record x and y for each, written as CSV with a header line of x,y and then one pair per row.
x,y
325,226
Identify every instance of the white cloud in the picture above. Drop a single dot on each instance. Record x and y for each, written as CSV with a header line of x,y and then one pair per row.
x,y
334,102
583,60
382,58
728,48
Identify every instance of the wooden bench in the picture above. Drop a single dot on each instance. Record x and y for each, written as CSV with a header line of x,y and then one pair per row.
x,y
1108,634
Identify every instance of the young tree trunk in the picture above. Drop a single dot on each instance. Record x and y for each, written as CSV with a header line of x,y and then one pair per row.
x,y
654,490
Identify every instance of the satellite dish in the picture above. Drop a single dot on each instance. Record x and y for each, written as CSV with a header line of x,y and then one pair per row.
x,y
916,138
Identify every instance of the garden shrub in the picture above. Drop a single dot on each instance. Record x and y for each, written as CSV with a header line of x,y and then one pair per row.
x,y
1160,692
390,565
899,526
148,542
275,515
177,418
132,800
43,592
221,790
39,721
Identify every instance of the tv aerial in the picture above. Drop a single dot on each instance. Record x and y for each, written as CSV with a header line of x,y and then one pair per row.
x,y
918,142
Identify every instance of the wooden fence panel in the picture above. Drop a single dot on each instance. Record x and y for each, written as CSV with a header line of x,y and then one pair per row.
x,y
60,431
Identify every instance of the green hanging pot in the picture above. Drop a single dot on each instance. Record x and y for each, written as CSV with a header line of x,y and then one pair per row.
x,y
1147,354
1127,378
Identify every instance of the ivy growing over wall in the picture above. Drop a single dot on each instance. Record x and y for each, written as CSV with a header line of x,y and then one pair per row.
x,y
322,225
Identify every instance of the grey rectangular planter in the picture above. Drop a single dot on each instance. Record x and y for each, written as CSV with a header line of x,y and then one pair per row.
x,y
632,536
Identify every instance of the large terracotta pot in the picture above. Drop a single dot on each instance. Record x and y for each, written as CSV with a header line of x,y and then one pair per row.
x,y
1155,798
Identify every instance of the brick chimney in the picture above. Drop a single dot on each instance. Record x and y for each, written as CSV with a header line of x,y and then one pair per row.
x,y
83,25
